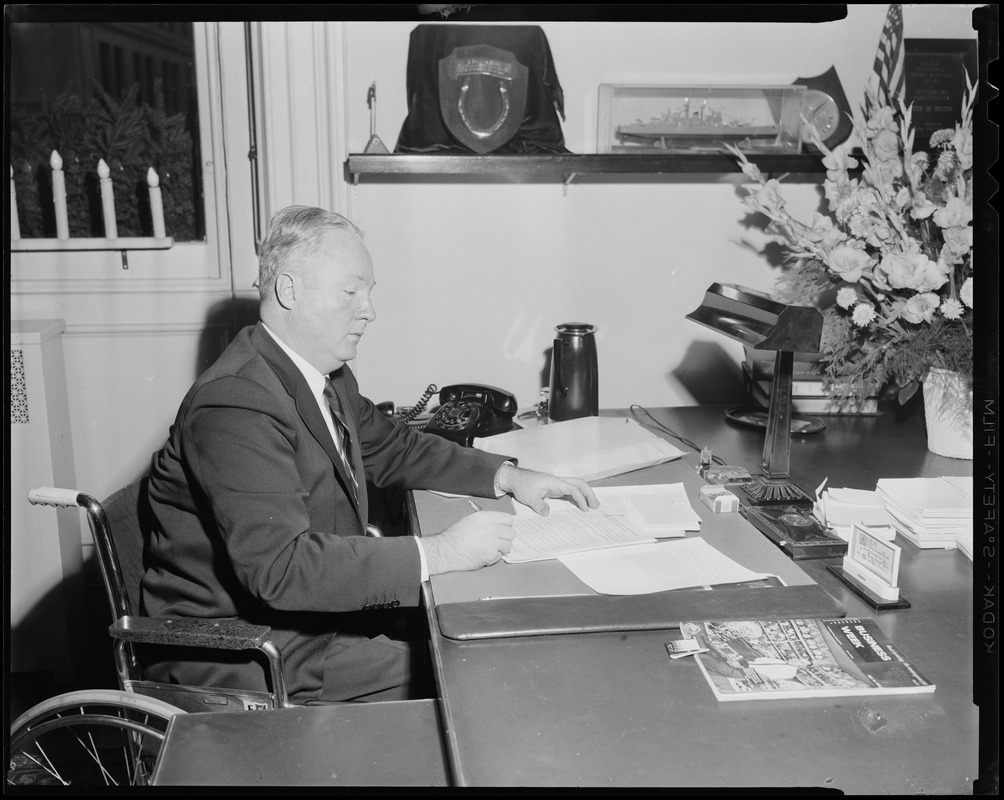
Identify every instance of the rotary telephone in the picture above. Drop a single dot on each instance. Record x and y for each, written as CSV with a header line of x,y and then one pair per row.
x,y
466,411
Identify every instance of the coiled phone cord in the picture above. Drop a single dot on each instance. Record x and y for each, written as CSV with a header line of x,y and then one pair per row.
x,y
419,407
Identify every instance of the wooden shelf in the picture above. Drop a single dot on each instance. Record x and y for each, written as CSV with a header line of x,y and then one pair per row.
x,y
567,167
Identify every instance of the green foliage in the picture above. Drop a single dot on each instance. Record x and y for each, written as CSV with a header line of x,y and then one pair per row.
x,y
131,137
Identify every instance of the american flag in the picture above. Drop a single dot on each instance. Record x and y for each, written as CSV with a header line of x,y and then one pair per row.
x,y
889,58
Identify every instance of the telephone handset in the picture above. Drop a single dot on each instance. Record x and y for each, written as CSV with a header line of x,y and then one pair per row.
x,y
468,411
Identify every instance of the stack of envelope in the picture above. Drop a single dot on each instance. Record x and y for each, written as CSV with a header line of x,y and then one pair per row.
x,y
838,509
930,512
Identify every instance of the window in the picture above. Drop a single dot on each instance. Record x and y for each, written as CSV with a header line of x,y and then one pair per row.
x,y
179,90
121,92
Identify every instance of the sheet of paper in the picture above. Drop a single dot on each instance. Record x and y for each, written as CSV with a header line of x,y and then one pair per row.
x,y
656,567
841,507
537,538
660,510
589,447
928,498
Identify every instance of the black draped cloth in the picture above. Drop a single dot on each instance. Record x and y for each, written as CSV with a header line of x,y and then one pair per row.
x,y
426,131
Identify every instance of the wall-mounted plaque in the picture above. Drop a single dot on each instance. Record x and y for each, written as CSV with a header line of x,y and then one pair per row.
x,y
935,73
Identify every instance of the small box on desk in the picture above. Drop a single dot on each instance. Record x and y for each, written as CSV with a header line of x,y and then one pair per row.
x,y
719,499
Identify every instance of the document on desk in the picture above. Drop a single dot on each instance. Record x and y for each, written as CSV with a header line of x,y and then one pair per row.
x,y
627,515
657,567
589,447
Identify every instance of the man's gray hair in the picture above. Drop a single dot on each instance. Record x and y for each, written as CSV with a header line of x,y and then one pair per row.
x,y
295,233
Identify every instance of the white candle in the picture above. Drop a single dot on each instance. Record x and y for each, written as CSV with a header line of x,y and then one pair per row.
x,y
15,225
59,196
107,200
156,204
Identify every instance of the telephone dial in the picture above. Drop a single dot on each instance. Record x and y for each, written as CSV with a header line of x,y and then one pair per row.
x,y
466,411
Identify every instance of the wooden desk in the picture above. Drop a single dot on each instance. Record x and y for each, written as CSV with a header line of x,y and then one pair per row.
x,y
611,709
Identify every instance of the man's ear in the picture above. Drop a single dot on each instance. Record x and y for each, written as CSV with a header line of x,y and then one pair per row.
x,y
285,289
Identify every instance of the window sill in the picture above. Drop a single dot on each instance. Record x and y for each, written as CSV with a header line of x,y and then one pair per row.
x,y
66,245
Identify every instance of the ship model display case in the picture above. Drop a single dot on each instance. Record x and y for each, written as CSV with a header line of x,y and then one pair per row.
x,y
688,119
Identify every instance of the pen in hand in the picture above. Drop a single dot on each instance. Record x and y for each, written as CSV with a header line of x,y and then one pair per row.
x,y
474,505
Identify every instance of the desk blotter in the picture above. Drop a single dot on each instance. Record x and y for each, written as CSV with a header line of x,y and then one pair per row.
x,y
537,616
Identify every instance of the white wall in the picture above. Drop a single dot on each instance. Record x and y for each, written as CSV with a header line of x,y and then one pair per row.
x,y
473,277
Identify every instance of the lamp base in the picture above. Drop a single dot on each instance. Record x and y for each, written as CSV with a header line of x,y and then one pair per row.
x,y
764,492
799,534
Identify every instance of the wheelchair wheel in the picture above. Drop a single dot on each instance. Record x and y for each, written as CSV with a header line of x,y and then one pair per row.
x,y
93,737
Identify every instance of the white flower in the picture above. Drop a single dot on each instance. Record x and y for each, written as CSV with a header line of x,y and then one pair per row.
x,y
883,119
886,146
951,309
920,307
863,314
912,270
966,292
922,207
838,162
963,144
846,297
848,262
958,244
956,214
917,168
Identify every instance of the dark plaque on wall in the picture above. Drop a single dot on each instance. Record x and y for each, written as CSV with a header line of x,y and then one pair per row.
x,y
935,72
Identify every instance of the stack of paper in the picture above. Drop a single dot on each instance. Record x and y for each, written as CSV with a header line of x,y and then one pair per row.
x,y
589,447
627,515
964,541
930,512
839,509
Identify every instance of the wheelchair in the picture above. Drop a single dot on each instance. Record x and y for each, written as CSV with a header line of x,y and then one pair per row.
x,y
106,737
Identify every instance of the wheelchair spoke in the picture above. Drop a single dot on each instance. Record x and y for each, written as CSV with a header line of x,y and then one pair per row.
x,y
90,738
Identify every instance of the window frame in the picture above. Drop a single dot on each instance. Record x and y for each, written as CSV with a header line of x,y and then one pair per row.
x,y
202,265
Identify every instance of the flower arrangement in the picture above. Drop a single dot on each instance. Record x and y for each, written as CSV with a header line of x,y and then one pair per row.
x,y
891,266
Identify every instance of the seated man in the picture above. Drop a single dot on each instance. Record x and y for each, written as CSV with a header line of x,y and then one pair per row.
x,y
259,495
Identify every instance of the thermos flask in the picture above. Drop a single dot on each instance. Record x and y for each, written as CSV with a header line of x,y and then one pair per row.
x,y
574,379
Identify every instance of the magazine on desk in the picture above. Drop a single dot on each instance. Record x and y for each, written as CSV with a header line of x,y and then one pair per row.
x,y
781,659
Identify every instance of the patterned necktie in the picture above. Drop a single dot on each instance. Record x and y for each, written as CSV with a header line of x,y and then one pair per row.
x,y
342,440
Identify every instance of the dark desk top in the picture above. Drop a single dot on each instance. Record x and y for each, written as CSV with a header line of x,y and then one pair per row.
x,y
346,744
611,709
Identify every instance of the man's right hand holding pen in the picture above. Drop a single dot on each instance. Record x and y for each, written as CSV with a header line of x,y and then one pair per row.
x,y
482,538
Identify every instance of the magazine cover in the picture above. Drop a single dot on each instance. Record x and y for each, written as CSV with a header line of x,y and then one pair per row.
x,y
790,658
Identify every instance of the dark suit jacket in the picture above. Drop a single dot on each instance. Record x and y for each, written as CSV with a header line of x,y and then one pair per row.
x,y
253,518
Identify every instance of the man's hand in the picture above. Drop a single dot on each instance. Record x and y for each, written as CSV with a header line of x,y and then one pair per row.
x,y
530,488
476,541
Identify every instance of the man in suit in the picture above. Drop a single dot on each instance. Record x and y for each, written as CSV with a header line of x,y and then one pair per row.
x,y
259,495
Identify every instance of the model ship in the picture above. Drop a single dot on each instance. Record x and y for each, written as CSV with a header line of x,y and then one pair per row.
x,y
687,128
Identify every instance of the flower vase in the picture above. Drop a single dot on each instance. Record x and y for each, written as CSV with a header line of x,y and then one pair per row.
x,y
948,411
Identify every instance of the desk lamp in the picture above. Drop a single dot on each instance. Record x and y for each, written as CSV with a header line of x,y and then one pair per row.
x,y
759,321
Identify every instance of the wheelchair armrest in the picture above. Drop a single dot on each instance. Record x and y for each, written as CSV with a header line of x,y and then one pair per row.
x,y
222,634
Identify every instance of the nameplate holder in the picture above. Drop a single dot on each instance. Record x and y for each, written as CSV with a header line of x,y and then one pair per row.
x,y
871,570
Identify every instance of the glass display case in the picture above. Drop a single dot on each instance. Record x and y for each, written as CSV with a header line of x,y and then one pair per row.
x,y
659,119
